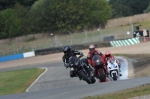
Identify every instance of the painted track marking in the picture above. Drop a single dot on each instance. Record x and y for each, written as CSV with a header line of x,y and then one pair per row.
x,y
37,79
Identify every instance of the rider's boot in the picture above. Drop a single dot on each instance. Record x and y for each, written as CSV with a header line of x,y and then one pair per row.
x,y
107,73
72,74
120,74
106,79
99,81
80,78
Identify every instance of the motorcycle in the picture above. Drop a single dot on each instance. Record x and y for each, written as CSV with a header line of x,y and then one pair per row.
x,y
81,69
99,67
113,69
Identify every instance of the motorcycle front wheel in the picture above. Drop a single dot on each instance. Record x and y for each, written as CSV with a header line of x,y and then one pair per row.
x,y
114,76
85,77
102,76
93,80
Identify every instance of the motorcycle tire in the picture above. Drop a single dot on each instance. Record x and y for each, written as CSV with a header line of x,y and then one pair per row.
x,y
93,80
114,76
85,77
102,76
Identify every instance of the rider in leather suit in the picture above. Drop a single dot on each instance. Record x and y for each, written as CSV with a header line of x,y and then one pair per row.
x,y
109,55
68,52
91,53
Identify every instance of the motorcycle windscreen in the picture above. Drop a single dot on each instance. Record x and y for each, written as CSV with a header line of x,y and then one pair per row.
x,y
97,60
74,61
110,60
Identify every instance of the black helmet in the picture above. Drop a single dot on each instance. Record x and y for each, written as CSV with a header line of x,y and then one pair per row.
x,y
67,49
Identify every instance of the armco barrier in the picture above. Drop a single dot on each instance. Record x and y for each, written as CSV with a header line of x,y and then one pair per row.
x,y
17,56
76,47
124,42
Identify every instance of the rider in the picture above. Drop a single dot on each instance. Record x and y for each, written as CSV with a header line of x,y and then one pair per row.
x,y
68,52
109,55
93,52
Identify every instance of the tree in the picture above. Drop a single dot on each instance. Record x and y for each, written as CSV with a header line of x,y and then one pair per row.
x,y
65,15
122,8
10,24
14,22
4,4
148,9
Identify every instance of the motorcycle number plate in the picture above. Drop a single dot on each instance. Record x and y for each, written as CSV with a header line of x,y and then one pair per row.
x,y
71,69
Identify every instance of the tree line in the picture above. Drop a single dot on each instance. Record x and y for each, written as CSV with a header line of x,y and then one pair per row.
x,y
22,17
123,8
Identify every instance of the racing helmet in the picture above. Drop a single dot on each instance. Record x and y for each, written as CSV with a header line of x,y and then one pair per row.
x,y
91,48
107,54
67,49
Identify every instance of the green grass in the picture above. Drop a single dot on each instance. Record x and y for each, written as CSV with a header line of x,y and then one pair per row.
x,y
129,93
17,81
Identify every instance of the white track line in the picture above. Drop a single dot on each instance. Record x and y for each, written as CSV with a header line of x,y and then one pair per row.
x,y
36,79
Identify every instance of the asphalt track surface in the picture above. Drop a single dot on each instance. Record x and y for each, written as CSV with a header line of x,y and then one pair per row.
x,y
56,83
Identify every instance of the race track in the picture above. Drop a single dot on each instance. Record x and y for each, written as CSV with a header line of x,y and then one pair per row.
x,y
57,84
58,77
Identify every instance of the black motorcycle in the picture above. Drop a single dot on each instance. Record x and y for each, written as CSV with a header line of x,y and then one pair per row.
x,y
81,69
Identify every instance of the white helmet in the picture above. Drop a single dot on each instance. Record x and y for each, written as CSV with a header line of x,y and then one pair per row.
x,y
91,47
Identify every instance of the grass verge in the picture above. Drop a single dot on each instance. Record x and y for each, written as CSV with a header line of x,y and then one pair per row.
x,y
129,93
17,81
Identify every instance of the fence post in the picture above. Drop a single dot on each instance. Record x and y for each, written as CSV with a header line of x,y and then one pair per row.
x,y
116,29
99,33
70,37
85,36
57,41
132,28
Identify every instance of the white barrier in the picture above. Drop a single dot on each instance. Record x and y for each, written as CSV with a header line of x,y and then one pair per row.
x,y
29,54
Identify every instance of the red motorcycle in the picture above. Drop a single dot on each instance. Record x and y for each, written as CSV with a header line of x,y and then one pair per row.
x,y
99,68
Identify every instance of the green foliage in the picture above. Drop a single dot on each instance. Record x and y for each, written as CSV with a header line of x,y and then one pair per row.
x,y
52,16
122,8
67,15
10,23
14,22
148,9
22,17
4,4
